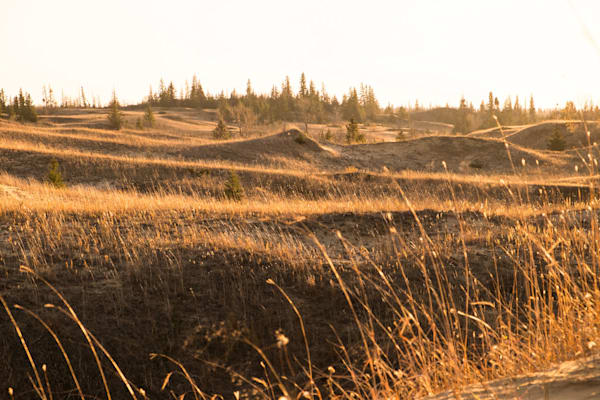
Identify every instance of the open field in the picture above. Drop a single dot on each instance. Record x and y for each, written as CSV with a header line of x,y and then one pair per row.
x,y
381,270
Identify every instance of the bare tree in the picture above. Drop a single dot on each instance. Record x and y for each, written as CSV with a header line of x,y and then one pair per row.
x,y
244,118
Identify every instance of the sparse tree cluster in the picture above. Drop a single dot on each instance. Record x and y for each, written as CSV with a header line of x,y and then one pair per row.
x,y
50,103
466,118
308,105
21,107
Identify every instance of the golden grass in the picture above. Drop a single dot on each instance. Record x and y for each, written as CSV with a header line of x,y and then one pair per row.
x,y
425,290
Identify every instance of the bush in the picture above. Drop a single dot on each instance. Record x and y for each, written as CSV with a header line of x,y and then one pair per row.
x,y
477,164
233,187
54,175
301,138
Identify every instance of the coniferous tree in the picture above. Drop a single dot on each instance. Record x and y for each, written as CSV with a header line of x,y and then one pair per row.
x,y
149,116
557,141
532,112
29,113
54,175
462,123
22,108
233,187
352,133
303,90
84,102
352,108
221,131
569,112
3,104
115,117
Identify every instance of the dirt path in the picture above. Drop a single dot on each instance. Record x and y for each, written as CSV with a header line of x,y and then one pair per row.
x,y
573,380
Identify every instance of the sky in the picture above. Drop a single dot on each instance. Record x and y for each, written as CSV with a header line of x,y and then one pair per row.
x,y
433,51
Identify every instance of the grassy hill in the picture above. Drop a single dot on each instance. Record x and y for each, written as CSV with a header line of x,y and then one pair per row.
x,y
387,269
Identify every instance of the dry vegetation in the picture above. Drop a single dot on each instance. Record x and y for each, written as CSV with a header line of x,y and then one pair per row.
x,y
387,270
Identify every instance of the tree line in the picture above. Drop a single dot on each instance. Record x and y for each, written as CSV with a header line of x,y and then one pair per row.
x,y
308,105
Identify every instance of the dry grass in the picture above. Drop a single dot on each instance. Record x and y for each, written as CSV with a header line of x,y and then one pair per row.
x,y
320,284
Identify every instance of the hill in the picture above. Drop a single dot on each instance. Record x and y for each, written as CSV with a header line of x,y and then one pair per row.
x,y
460,153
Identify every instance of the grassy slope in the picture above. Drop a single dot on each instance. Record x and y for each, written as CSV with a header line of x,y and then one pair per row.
x,y
154,260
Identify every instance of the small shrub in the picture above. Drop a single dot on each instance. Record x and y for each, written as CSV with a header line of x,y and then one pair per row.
x,y
233,187
54,175
138,124
301,138
476,164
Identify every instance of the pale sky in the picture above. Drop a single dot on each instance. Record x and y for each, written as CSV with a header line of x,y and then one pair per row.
x,y
433,51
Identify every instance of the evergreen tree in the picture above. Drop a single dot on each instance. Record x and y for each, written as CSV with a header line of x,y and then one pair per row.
x,y
22,108
115,117
3,104
556,141
569,112
29,113
507,112
149,116
532,113
462,123
491,111
221,131
303,90
233,187
84,102
54,175
352,133
171,96
351,108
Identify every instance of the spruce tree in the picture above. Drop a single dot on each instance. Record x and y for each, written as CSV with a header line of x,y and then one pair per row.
x,y
303,90
221,131
3,102
115,117
233,187
149,116
54,175
29,113
556,141
462,122
532,113
352,133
